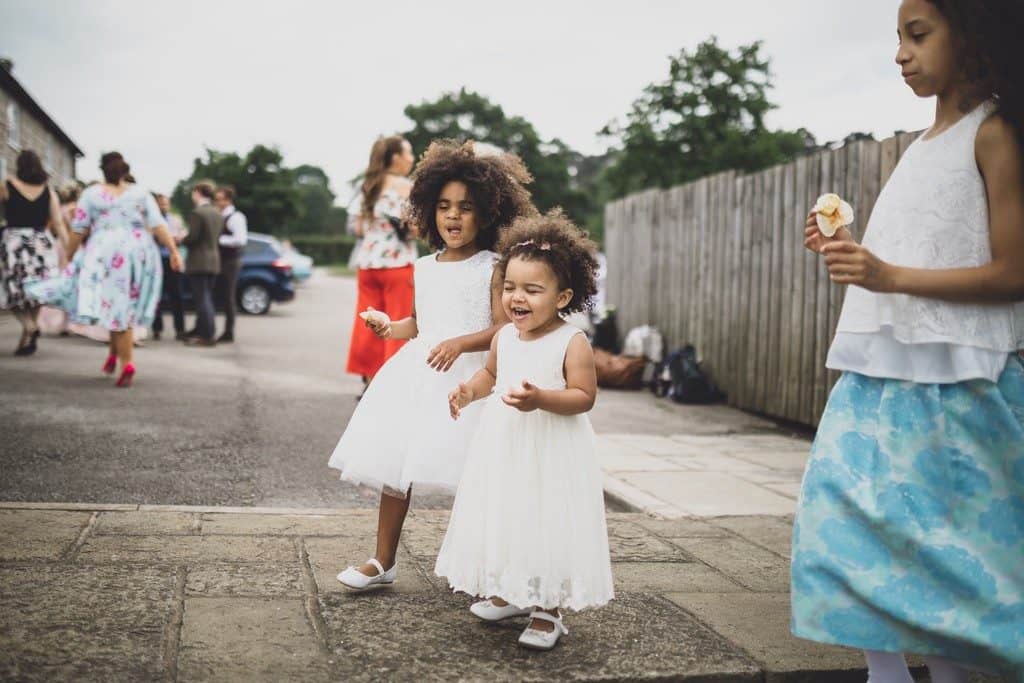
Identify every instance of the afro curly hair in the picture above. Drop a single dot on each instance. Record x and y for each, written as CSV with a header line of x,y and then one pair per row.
x,y
553,239
495,182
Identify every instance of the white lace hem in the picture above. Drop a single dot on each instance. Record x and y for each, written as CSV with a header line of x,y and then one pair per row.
x,y
525,591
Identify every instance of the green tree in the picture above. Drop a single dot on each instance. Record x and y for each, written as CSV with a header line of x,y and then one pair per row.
x,y
267,190
466,115
706,117
316,201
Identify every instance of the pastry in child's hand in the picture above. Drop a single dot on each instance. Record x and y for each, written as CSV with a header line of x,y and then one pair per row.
x,y
375,318
832,213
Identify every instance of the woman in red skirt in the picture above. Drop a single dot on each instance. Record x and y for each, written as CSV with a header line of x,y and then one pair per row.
x,y
386,251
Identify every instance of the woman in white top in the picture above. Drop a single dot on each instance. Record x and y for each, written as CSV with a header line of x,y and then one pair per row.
x,y
909,537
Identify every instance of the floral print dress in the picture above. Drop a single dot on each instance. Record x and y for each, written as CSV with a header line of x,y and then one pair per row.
x,y
115,278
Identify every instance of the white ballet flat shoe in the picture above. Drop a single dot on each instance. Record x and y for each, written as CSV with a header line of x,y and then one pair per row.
x,y
488,611
543,640
355,580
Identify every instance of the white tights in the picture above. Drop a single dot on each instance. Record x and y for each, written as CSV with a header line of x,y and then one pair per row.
x,y
890,667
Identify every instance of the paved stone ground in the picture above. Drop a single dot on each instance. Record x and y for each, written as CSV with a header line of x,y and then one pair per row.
x,y
705,475
103,593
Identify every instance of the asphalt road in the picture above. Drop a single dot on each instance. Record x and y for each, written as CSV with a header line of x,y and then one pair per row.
x,y
251,423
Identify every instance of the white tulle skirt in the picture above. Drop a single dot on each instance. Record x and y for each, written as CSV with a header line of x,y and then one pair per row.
x,y
401,433
528,523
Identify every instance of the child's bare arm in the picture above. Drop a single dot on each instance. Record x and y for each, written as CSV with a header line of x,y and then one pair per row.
x,y
580,385
479,385
406,328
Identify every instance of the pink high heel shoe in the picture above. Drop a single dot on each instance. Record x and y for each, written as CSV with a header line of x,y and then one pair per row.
x,y
125,380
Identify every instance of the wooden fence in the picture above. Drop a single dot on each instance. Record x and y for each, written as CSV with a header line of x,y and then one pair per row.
x,y
719,263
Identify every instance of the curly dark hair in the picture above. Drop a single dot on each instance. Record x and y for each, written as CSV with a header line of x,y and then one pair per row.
x,y
495,181
989,39
553,239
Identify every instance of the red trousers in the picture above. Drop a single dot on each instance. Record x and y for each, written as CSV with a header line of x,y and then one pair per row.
x,y
385,289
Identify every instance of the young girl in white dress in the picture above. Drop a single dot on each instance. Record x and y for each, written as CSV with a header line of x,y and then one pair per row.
x,y
528,531
400,435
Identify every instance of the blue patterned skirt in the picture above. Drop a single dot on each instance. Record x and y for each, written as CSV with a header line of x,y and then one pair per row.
x,y
909,535
114,280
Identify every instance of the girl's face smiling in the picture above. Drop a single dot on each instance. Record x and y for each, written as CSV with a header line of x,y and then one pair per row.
x,y
531,296
456,217
926,54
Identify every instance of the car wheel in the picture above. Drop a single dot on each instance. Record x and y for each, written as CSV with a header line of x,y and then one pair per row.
x,y
254,299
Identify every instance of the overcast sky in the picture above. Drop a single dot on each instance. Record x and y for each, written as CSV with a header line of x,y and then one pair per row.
x,y
159,80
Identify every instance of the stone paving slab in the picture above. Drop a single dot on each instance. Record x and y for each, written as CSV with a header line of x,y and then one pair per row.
x,y
712,473
710,494
757,569
637,632
135,523
220,580
249,639
359,523
761,622
39,534
185,549
698,599
60,622
772,533
663,577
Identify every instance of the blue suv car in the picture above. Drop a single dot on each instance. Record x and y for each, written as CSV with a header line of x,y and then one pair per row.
x,y
265,277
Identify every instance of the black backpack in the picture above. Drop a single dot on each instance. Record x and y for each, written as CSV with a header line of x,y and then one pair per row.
x,y
681,378
606,333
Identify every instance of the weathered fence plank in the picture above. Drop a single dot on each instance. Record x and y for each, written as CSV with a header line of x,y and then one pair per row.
x,y
719,262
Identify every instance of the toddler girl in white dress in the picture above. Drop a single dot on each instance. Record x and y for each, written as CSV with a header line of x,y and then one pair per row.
x,y
527,531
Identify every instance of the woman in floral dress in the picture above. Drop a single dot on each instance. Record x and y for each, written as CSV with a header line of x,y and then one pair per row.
x,y
114,280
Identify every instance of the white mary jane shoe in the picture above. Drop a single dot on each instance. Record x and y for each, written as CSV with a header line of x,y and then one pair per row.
x,y
355,580
488,611
543,640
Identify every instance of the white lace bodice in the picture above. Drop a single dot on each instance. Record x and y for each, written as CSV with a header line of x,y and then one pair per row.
x,y
453,297
540,361
932,213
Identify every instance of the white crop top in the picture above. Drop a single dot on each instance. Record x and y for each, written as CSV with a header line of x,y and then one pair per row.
x,y
932,213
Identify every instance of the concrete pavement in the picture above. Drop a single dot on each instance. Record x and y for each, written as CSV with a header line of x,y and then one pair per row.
x,y
128,592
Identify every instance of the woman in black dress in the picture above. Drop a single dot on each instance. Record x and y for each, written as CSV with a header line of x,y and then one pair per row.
x,y
27,245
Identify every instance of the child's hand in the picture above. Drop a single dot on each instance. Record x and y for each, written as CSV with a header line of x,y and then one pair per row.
x,y
525,399
378,321
850,263
444,354
458,399
815,241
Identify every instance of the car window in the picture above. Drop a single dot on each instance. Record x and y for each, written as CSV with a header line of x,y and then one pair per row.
x,y
254,247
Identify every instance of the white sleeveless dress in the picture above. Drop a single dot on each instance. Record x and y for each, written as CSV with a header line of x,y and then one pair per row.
x,y
528,523
401,433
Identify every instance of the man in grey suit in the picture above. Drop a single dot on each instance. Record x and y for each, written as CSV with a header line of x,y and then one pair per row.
x,y
203,262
